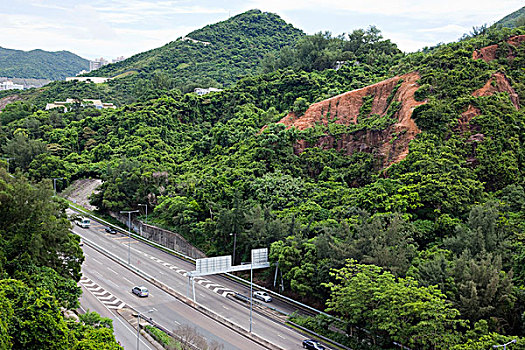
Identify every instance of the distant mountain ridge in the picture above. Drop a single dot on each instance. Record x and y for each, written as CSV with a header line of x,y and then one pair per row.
x,y
40,64
215,55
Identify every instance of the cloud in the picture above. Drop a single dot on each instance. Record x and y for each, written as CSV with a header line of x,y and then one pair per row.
x,y
124,27
418,9
449,28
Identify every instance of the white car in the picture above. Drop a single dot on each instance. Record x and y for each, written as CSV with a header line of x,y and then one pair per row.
x,y
83,222
262,296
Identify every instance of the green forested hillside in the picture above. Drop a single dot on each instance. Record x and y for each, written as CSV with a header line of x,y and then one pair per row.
x,y
225,52
428,252
515,19
39,64
236,49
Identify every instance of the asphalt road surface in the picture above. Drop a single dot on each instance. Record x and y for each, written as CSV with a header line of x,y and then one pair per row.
x,y
211,292
124,333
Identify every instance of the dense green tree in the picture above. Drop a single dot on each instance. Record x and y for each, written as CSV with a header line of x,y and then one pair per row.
x,y
416,316
35,229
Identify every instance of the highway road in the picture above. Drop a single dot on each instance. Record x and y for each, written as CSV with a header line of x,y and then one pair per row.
x,y
124,333
170,270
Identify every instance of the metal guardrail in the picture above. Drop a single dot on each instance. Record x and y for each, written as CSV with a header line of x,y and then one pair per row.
x,y
200,308
237,279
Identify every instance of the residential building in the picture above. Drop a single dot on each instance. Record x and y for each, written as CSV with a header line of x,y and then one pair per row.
x,y
97,63
202,91
98,104
118,59
9,85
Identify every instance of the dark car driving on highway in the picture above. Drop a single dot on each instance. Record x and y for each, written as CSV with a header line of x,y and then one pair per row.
x,y
110,230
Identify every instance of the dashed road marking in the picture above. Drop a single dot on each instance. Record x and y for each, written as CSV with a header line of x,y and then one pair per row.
x,y
217,288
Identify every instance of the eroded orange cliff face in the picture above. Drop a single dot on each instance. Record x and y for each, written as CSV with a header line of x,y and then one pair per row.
x,y
390,144
488,53
498,82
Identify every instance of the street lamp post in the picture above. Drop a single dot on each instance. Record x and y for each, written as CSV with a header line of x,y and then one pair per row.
x,y
129,212
251,294
234,234
55,184
138,330
504,345
146,206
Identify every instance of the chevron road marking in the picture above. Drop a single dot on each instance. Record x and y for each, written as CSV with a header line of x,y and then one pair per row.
x,y
105,297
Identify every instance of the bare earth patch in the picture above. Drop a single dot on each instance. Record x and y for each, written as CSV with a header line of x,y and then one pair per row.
x,y
80,190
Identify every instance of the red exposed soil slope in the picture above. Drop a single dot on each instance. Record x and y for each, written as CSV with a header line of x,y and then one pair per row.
x,y
489,53
497,83
7,100
344,109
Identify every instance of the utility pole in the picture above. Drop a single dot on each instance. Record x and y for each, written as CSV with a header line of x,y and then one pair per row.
x,y
129,212
146,206
55,184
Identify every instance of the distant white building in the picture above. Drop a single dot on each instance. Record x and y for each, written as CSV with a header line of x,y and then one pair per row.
x,y
96,80
187,38
202,91
97,63
98,104
9,85
118,59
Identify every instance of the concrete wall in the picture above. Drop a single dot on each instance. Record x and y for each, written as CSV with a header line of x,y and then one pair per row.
x,y
168,239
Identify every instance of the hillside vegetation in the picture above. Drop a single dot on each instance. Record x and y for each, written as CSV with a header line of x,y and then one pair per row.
x,y
39,270
398,208
216,55
40,64
513,20
236,47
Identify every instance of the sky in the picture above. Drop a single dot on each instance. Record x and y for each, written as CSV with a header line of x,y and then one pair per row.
x,y
109,29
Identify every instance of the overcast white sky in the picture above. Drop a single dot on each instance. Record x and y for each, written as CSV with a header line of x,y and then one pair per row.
x,y
106,28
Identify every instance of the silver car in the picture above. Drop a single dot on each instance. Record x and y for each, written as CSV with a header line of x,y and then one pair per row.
x,y
140,291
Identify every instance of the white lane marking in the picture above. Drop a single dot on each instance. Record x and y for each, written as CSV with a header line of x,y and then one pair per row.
x,y
176,322
227,308
110,269
280,336
127,280
95,260
125,325
113,283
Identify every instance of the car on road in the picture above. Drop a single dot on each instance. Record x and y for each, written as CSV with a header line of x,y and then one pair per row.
x,y
262,296
83,222
110,230
312,345
141,291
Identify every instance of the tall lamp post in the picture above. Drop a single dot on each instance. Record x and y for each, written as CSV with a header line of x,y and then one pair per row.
x,y
146,206
234,234
129,212
504,345
55,184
